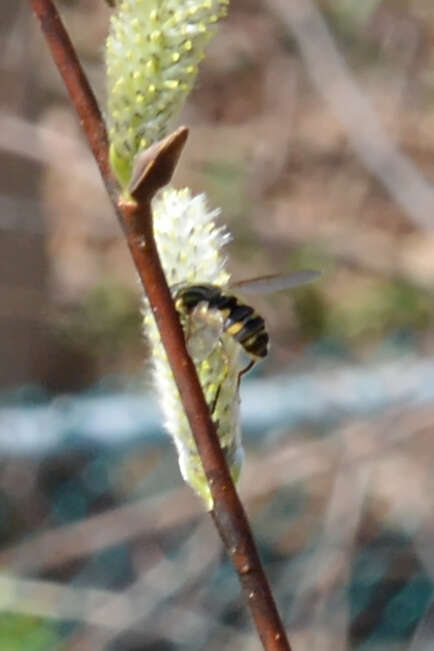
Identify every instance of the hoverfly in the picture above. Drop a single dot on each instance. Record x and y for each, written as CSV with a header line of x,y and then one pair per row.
x,y
212,311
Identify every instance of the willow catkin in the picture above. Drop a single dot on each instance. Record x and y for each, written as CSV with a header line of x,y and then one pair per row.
x,y
152,56
191,245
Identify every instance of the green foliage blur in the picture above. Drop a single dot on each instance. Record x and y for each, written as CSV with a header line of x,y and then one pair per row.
x,y
24,633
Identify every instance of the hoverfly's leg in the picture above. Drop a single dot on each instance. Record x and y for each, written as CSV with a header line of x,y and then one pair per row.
x,y
215,401
186,326
244,371
217,393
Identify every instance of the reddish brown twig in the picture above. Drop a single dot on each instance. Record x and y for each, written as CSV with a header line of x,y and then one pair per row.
x,y
136,221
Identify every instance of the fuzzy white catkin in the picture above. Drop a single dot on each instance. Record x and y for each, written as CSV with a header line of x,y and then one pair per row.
x,y
190,245
152,56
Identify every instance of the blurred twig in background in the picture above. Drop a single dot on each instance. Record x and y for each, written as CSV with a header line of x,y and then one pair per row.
x,y
405,183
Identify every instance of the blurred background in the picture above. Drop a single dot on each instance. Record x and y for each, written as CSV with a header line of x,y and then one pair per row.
x,y
312,127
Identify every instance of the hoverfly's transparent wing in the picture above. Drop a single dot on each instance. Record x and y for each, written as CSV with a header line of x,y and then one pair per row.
x,y
276,282
203,332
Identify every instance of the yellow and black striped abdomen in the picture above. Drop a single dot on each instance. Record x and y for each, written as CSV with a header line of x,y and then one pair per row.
x,y
240,320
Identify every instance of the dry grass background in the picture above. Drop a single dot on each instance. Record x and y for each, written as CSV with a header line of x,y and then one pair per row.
x,y
343,509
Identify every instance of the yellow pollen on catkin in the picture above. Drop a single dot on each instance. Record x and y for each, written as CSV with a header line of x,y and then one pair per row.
x,y
155,36
205,366
171,83
151,67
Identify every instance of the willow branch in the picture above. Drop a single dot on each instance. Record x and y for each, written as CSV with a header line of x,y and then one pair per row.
x,y
135,217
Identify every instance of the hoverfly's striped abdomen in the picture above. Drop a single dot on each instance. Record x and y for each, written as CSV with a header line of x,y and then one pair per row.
x,y
240,321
